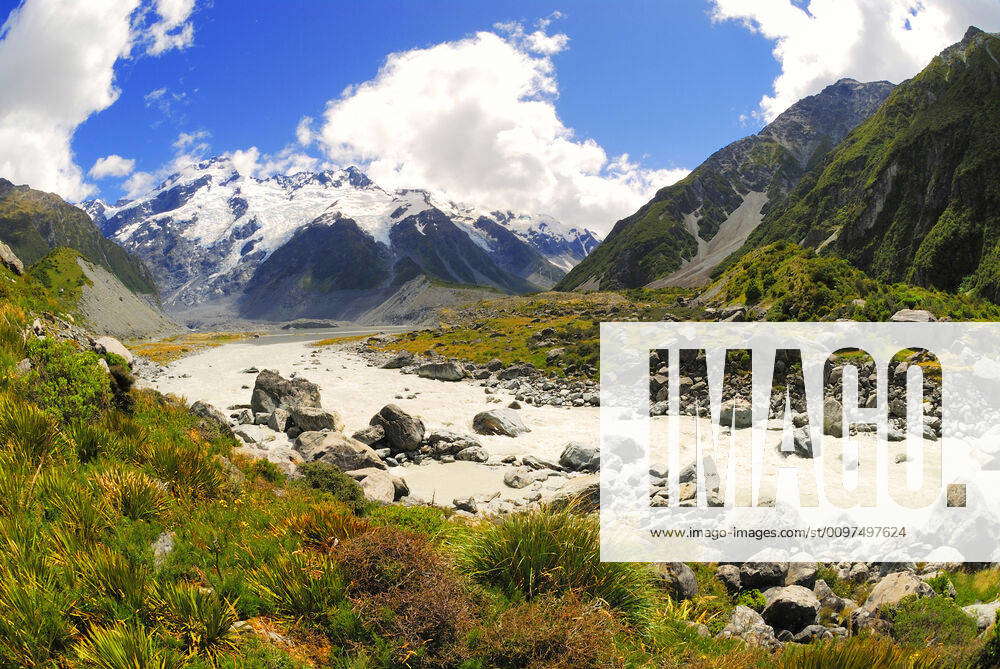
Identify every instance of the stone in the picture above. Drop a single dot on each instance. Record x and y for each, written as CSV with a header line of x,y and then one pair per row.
x,y
10,260
468,504
311,419
210,416
578,457
677,578
285,457
379,485
441,371
104,345
272,391
894,588
536,462
162,547
403,432
522,477
278,420
738,410
517,372
747,624
253,434
398,361
762,575
983,614
499,421
790,607
370,435
802,442
729,575
473,454
337,449
812,633
912,316
801,573
833,417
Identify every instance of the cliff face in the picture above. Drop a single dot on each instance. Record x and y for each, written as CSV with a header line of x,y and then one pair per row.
x,y
913,194
680,222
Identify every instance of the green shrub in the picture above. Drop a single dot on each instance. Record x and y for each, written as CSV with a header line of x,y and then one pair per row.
x,y
867,653
132,493
32,624
753,599
69,384
28,433
267,470
427,520
123,647
931,620
300,586
204,619
330,479
554,552
188,468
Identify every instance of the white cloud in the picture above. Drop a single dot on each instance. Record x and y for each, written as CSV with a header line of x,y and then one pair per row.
x,y
138,184
112,166
821,41
172,30
196,139
476,119
57,61
250,162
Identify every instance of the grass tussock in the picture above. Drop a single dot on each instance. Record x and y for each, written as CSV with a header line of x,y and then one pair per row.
x,y
173,348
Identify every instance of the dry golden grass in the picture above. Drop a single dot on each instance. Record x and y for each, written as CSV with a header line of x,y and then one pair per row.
x,y
339,340
169,349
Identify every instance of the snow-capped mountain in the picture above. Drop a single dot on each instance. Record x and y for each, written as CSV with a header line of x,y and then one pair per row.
x,y
207,230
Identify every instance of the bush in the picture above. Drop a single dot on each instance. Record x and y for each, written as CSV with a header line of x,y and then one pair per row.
x,y
931,620
123,647
204,619
28,433
866,653
32,626
132,493
427,520
326,525
989,656
68,383
188,468
753,599
555,552
331,480
299,585
267,470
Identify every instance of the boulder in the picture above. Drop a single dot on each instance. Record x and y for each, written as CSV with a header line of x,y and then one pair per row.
x,y
894,588
253,434
790,607
311,419
801,573
441,371
370,435
499,421
517,372
473,454
522,477
729,575
272,391
762,575
337,449
677,578
737,413
283,455
105,345
401,359
10,260
983,614
747,624
379,485
833,418
278,420
210,416
403,432
912,316
577,457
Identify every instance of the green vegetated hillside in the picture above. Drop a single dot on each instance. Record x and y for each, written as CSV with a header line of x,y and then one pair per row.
x,y
913,194
32,223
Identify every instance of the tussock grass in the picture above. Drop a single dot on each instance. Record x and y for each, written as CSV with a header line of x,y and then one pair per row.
x,y
173,348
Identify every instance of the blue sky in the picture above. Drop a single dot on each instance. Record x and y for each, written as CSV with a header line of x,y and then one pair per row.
x,y
580,110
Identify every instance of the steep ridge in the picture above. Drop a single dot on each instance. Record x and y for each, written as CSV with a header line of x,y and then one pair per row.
x,y
33,223
911,195
678,225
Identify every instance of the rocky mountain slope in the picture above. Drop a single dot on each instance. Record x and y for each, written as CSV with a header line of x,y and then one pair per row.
x,y
912,194
211,234
687,228
33,223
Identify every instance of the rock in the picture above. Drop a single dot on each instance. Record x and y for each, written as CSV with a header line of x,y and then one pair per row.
x,y
729,575
912,316
370,435
379,485
468,504
312,419
801,442
283,455
253,434
577,457
748,625
790,607
677,578
403,432
162,546
812,633
278,420
499,421
338,450
801,573
738,410
111,345
517,372
401,359
211,416
983,614
272,391
535,462
762,575
894,588
24,365
582,493
554,354
441,371
10,260
473,454
521,477
833,418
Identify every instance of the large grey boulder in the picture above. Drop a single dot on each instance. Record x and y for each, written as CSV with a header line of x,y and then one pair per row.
x,y
398,361
801,573
762,575
747,624
790,607
677,578
737,413
283,455
577,457
441,371
729,576
894,588
522,477
983,614
111,345
210,416
370,435
379,485
403,432
310,419
253,434
473,454
499,421
10,260
833,418
272,391
912,316
337,449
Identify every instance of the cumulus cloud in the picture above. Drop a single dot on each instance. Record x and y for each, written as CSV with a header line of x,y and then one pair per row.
x,y
172,28
57,61
476,120
820,41
250,162
112,166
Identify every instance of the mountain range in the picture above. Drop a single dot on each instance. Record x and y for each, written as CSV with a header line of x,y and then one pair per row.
x,y
330,243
